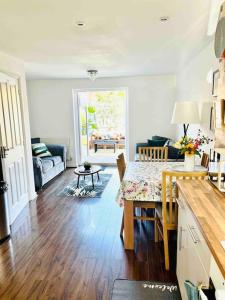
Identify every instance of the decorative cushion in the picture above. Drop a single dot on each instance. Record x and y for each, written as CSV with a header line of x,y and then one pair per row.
x,y
140,145
174,153
55,159
161,138
156,143
40,150
47,164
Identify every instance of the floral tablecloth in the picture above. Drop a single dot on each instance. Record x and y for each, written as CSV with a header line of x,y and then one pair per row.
x,y
142,181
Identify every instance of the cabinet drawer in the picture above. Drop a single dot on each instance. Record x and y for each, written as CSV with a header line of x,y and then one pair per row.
x,y
200,245
216,276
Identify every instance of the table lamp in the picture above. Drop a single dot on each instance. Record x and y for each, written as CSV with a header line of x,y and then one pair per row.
x,y
185,112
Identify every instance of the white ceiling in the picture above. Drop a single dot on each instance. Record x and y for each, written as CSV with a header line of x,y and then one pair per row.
x,y
120,37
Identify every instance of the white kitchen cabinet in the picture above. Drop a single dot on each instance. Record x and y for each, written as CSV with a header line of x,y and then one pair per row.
x,y
190,266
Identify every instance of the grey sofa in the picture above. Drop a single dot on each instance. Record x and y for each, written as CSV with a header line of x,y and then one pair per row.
x,y
47,168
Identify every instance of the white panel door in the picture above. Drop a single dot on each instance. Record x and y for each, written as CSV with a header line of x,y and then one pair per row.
x,y
12,148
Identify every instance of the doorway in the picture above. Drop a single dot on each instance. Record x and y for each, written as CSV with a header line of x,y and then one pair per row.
x,y
13,160
102,122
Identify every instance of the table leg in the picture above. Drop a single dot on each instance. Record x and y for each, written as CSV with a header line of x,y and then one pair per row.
x,y
98,176
84,177
92,178
128,225
78,181
96,147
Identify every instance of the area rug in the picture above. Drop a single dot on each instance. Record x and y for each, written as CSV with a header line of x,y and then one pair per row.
x,y
85,187
144,290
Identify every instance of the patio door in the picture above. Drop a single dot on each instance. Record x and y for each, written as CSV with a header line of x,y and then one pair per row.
x,y
102,125
12,148
83,132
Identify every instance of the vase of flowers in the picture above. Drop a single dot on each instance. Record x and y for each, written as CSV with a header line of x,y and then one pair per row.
x,y
191,147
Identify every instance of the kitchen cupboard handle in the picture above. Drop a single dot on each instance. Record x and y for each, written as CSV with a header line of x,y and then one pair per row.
x,y
181,238
193,234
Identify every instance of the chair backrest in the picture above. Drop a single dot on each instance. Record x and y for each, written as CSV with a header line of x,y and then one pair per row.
x,y
121,165
205,160
153,153
169,193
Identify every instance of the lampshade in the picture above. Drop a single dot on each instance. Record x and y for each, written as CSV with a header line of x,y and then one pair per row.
x,y
185,112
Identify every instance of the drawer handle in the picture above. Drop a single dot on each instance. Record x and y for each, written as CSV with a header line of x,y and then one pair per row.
x,y
193,234
180,204
181,238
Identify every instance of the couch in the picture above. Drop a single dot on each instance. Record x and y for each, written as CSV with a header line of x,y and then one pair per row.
x,y
46,168
160,141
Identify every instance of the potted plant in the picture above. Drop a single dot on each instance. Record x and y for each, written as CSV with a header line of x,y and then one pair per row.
x,y
87,166
191,147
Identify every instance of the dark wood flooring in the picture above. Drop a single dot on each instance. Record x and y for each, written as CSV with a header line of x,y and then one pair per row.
x,y
62,248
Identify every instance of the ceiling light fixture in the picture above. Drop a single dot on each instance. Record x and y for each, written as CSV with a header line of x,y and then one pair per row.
x,y
164,19
92,74
80,24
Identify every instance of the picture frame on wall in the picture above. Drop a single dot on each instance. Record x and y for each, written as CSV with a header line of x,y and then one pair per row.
x,y
216,75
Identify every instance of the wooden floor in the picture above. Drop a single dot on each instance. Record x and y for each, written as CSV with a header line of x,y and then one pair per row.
x,y
62,248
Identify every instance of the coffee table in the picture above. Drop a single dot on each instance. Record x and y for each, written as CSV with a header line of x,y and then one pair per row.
x,y
80,171
105,143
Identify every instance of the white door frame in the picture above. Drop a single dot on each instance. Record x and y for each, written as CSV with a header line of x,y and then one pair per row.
x,y
76,120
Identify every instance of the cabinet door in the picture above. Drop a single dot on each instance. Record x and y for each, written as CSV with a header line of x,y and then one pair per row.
x,y
196,271
182,267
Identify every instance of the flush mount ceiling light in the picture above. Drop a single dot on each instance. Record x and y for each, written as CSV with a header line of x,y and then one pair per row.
x,y
164,19
80,24
92,74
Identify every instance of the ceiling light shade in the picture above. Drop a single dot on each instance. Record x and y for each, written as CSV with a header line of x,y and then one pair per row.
x,y
92,74
185,112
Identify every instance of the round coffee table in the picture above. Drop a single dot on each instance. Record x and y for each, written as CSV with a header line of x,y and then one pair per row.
x,y
80,171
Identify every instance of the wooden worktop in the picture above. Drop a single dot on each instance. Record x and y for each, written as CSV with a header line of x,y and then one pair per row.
x,y
208,207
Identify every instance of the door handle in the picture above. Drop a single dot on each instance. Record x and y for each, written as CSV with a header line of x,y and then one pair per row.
x,y
3,152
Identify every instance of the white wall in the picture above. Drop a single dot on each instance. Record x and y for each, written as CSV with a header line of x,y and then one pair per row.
x,y
151,100
192,85
11,66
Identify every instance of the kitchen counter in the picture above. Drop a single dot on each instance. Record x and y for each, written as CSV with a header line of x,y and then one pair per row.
x,y
207,205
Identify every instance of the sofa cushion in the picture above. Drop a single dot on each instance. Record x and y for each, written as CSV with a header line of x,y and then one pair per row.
x,y
156,143
161,138
40,150
47,164
140,145
174,153
55,159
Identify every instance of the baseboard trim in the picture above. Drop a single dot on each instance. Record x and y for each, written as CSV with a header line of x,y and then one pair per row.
x,y
32,196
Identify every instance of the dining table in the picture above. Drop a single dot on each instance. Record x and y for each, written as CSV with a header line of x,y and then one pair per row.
x,y
142,182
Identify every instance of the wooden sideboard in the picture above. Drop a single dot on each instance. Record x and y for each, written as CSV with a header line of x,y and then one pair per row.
x,y
201,229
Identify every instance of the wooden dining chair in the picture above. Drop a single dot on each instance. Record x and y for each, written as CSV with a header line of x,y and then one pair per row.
x,y
205,160
166,213
121,166
159,154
